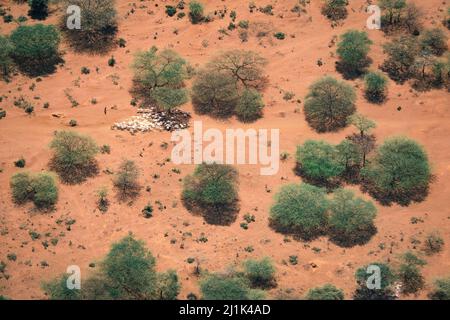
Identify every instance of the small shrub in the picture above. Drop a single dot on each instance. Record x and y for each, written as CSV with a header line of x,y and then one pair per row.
x,y
327,292
441,290
20,163
196,12
250,105
410,275
126,180
102,201
38,9
74,156
212,191
335,9
329,104
260,273
221,287
280,35
111,61
402,53
105,149
73,123
433,243
375,87
147,212
171,11
434,41
85,70
40,188
244,24
300,210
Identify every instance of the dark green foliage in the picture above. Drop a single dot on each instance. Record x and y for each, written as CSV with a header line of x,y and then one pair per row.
x,y
260,273
300,210
249,106
38,9
126,180
352,51
147,212
74,156
335,9
159,79
222,287
327,292
402,53
398,15
329,103
280,35
215,94
351,220
212,192
375,87
196,12
434,41
399,172
350,157
6,53
318,162
171,11
57,289
20,163
36,49
441,290
167,286
40,188
410,275
98,25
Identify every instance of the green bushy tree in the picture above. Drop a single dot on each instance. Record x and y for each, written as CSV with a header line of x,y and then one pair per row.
x,y
74,156
223,287
36,48
98,25
167,286
39,188
351,220
249,106
300,210
159,79
326,292
410,275
402,53
335,9
434,41
212,191
399,172
329,104
215,94
196,12
352,51
318,161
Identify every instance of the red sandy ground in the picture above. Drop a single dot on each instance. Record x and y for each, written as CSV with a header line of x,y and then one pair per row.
x,y
292,67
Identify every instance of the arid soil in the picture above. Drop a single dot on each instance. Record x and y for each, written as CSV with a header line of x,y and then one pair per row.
x,y
172,233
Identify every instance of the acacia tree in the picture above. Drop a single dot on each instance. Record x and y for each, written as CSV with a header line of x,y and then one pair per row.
x,y
441,290
74,156
300,210
212,191
328,104
335,9
245,67
399,172
363,140
159,79
351,219
127,273
126,180
260,273
214,93
318,162
223,287
402,53
398,15
349,156
434,41
98,25
352,51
